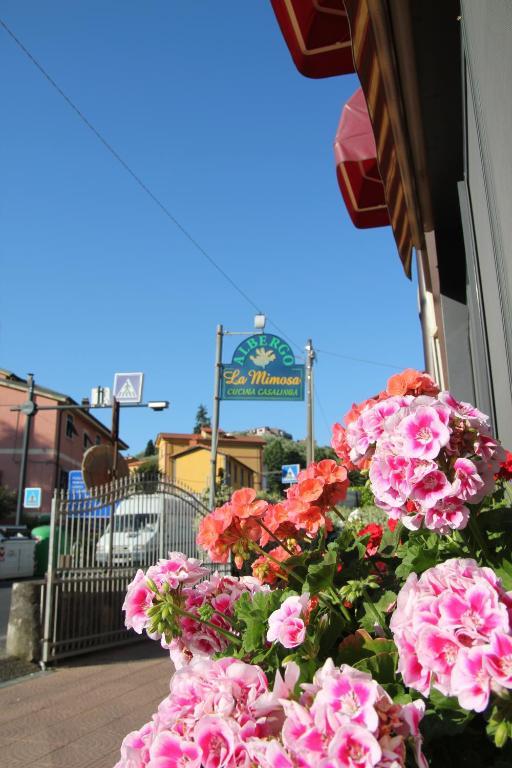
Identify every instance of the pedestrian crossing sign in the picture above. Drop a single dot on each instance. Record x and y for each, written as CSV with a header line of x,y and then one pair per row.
x,y
290,473
128,387
32,498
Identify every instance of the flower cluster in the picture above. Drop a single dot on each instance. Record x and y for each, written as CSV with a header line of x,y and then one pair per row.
x,y
232,527
245,521
221,714
214,710
452,627
343,719
191,605
428,454
177,571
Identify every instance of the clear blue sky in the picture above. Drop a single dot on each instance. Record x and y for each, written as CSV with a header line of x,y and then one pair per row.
x,y
204,103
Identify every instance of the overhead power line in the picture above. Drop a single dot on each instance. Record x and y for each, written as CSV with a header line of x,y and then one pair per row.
x,y
115,154
360,359
165,210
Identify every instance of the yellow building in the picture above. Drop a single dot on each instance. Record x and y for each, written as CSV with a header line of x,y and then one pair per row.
x,y
185,459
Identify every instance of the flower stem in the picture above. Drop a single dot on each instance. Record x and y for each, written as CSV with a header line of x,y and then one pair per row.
x,y
342,608
273,536
338,514
377,615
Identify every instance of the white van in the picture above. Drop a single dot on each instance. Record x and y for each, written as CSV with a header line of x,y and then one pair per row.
x,y
147,527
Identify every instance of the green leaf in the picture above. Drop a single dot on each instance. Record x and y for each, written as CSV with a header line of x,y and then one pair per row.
x,y
321,575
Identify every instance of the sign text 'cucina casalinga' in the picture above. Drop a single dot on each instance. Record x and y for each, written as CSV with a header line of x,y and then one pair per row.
x,y
263,368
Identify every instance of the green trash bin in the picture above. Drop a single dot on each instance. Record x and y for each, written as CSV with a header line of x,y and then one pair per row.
x,y
42,536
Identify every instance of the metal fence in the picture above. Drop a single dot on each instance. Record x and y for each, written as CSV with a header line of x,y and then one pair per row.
x,y
96,546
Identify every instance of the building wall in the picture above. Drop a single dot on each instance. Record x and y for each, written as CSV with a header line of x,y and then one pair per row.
x,y
193,470
250,455
50,457
486,196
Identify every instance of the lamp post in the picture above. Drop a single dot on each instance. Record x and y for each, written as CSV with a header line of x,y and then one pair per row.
x,y
310,429
259,324
28,408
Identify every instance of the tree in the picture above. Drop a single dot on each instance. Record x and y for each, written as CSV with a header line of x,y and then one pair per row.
x,y
277,452
150,449
202,419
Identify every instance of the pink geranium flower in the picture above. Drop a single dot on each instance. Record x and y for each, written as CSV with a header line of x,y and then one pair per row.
x,y
347,697
499,659
138,600
432,487
170,751
354,747
468,482
286,625
424,433
471,682
215,737
449,514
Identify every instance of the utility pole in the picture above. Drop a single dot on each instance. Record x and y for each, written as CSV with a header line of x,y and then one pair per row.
x,y
310,431
114,433
28,408
215,414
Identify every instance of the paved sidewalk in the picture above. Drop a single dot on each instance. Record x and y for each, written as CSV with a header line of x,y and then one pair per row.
x,y
77,715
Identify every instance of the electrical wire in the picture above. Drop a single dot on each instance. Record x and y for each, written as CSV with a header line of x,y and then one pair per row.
x,y
360,359
165,210
115,154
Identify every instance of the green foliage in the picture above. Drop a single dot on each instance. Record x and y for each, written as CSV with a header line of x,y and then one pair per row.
x,y
279,451
202,419
366,497
150,449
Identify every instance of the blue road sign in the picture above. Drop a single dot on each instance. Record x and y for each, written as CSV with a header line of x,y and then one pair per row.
x,y
81,503
290,473
32,498
76,485
128,387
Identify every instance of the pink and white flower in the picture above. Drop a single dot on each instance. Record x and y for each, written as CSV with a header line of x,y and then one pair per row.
x,y
452,630
285,625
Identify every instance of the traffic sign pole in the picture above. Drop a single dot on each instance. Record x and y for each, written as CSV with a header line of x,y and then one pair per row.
x,y
215,414
29,412
310,430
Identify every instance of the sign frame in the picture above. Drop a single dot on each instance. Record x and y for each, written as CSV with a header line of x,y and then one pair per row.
x,y
247,377
136,381
286,470
36,493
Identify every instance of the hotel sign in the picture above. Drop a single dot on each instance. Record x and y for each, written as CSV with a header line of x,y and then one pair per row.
x,y
263,368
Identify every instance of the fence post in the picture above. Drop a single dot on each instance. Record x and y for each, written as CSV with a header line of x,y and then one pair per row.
x,y
50,579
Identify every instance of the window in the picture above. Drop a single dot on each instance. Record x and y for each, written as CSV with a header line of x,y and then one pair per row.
x,y
98,440
87,441
63,480
70,426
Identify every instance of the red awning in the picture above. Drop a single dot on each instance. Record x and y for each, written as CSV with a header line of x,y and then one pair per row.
x,y
317,34
356,166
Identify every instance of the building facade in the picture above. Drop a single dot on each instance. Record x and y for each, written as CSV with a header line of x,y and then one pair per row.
x,y
185,459
57,442
436,82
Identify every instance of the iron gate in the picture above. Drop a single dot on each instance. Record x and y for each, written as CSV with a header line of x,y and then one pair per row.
x,y
96,546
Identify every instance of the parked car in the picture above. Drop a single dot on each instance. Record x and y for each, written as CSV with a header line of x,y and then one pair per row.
x,y
146,527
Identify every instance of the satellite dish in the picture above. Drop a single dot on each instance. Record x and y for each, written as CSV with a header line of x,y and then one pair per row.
x,y
98,463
